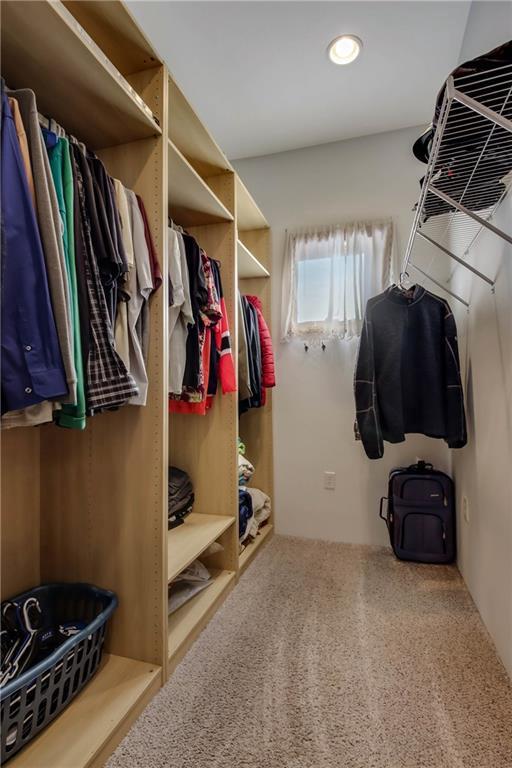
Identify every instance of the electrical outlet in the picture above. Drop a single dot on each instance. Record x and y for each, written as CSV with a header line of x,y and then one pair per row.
x,y
329,481
465,509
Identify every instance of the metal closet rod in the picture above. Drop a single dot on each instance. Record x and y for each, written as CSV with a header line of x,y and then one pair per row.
x,y
440,285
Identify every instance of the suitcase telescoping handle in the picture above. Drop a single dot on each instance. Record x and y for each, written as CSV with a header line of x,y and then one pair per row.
x,y
421,466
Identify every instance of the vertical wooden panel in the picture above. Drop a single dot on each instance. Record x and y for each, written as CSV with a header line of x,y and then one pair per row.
x,y
222,186
20,510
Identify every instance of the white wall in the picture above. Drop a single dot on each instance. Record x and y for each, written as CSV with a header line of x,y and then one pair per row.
x,y
370,177
483,470
489,24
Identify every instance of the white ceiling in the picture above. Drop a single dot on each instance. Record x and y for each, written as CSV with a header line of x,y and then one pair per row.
x,y
258,74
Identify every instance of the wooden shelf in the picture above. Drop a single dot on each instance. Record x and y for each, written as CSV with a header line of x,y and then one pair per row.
x,y
188,541
94,723
73,80
248,264
248,214
251,549
114,29
191,201
192,138
187,622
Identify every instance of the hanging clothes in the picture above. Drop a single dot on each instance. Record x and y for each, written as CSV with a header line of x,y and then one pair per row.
x,y
251,328
268,379
156,280
70,415
192,378
244,388
156,273
105,230
180,311
32,364
222,366
23,142
407,377
84,260
140,288
122,334
200,353
109,385
49,225
256,370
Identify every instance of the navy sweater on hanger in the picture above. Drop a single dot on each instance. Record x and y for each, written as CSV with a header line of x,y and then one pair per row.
x,y
407,375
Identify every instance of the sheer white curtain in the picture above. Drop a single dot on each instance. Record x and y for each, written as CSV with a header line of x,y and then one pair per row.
x,y
330,273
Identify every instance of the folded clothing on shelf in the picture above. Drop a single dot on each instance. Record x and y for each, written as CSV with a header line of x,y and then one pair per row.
x,y
245,514
245,470
192,580
180,496
261,505
254,511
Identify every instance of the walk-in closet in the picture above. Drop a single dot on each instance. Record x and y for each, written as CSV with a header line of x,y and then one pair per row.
x,y
91,505
256,424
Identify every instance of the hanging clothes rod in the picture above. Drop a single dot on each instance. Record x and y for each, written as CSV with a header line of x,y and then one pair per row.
x,y
470,165
456,258
440,285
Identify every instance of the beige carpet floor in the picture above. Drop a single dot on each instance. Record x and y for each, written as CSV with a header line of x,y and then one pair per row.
x,y
333,656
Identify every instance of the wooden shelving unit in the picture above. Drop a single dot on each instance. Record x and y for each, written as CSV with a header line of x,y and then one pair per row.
x,y
248,264
194,139
201,197
95,509
192,202
192,538
249,216
106,110
96,720
188,621
251,550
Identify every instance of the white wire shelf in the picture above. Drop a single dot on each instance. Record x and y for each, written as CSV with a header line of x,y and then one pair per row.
x,y
469,172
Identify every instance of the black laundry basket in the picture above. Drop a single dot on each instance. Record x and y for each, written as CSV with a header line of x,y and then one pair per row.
x,y
32,700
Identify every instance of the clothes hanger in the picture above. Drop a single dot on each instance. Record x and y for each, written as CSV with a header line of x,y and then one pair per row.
x,y
402,287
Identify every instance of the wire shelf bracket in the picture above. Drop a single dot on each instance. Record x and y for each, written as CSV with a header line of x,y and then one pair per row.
x,y
469,171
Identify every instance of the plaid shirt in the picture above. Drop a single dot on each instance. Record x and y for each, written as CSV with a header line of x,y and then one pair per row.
x,y
109,385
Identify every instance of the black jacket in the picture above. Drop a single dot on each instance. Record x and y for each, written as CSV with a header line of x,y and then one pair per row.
x,y
252,333
407,375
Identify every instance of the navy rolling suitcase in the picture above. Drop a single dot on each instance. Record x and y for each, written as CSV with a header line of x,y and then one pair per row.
x,y
420,514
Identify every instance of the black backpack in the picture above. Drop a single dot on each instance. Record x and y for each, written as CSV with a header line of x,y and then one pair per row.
x,y
421,514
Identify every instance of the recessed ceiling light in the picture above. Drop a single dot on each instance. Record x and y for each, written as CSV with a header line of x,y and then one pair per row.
x,y
344,49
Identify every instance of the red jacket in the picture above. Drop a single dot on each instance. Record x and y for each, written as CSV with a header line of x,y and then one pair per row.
x,y
267,351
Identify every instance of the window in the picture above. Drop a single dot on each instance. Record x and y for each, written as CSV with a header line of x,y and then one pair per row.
x,y
329,275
